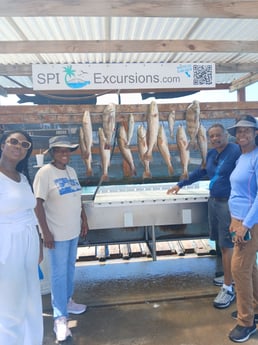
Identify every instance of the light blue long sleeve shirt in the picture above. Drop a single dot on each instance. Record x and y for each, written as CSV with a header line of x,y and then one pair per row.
x,y
243,201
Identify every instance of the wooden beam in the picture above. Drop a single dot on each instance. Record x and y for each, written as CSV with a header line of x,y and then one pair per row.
x,y
26,91
124,46
132,8
26,70
241,95
240,83
65,114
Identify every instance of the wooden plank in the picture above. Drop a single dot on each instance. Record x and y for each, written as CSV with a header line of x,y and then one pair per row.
x,y
188,246
114,251
117,46
101,253
87,253
133,8
178,248
162,248
172,247
136,250
125,251
145,250
200,248
73,114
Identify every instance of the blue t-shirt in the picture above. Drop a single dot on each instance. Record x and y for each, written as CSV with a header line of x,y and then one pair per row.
x,y
243,202
219,166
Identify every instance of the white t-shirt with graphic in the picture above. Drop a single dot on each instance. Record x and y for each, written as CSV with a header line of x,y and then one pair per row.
x,y
61,192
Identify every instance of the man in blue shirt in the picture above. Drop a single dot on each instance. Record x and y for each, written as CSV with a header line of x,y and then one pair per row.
x,y
220,163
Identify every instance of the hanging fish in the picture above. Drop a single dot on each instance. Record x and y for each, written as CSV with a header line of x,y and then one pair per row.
x,y
171,122
152,129
130,126
109,122
164,150
192,122
87,158
87,132
182,145
202,144
124,149
142,148
104,154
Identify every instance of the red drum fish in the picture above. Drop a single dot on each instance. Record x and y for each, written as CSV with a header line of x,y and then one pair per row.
x,y
109,122
171,123
164,150
124,149
104,154
202,144
142,148
87,132
152,129
192,122
182,145
86,156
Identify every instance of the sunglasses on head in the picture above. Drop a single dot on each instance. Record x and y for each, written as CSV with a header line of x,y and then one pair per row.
x,y
24,144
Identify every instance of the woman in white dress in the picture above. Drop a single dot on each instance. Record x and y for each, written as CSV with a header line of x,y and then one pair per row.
x,y
21,321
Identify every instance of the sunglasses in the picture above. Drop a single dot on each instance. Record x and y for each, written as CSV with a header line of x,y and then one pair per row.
x,y
24,144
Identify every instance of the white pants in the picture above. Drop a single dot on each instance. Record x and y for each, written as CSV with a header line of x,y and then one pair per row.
x,y
21,321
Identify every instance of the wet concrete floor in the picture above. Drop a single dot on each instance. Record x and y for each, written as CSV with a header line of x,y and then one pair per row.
x,y
145,302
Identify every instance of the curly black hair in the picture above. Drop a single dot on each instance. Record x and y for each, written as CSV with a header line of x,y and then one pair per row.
x,y
22,166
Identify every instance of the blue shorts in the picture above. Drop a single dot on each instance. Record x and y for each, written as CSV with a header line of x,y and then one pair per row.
x,y
219,220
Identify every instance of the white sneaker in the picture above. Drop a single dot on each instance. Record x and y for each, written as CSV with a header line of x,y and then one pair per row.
x,y
219,281
61,329
224,298
75,308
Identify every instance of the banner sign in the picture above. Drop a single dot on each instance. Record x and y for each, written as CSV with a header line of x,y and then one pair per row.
x,y
123,76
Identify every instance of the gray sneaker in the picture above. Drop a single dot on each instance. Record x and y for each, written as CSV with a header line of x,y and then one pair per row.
x,y
224,298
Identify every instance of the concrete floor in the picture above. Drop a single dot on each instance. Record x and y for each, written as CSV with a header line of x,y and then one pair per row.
x,y
145,302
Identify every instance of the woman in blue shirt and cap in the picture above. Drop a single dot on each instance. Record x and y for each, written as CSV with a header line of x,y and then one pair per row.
x,y
243,206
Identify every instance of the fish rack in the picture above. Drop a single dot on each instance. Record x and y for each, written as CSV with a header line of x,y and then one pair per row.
x,y
145,213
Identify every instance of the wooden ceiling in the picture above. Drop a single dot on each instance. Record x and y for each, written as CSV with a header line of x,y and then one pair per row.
x,y
131,8
239,9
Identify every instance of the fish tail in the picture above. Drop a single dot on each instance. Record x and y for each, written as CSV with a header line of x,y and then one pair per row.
x,y
89,172
184,176
105,177
170,170
107,147
146,174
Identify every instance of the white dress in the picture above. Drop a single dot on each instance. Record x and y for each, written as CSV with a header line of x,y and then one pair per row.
x,y
21,321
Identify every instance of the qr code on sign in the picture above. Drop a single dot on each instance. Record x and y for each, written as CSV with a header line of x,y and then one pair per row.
x,y
202,74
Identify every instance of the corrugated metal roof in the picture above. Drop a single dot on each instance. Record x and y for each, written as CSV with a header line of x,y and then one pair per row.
x,y
25,29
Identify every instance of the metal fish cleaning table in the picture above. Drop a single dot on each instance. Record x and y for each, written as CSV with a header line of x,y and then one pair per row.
x,y
144,212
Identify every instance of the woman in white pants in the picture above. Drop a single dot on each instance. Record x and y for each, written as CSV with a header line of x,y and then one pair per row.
x,y
21,321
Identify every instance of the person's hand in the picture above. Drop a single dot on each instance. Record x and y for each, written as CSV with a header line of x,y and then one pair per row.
x,y
48,240
173,190
84,229
237,230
